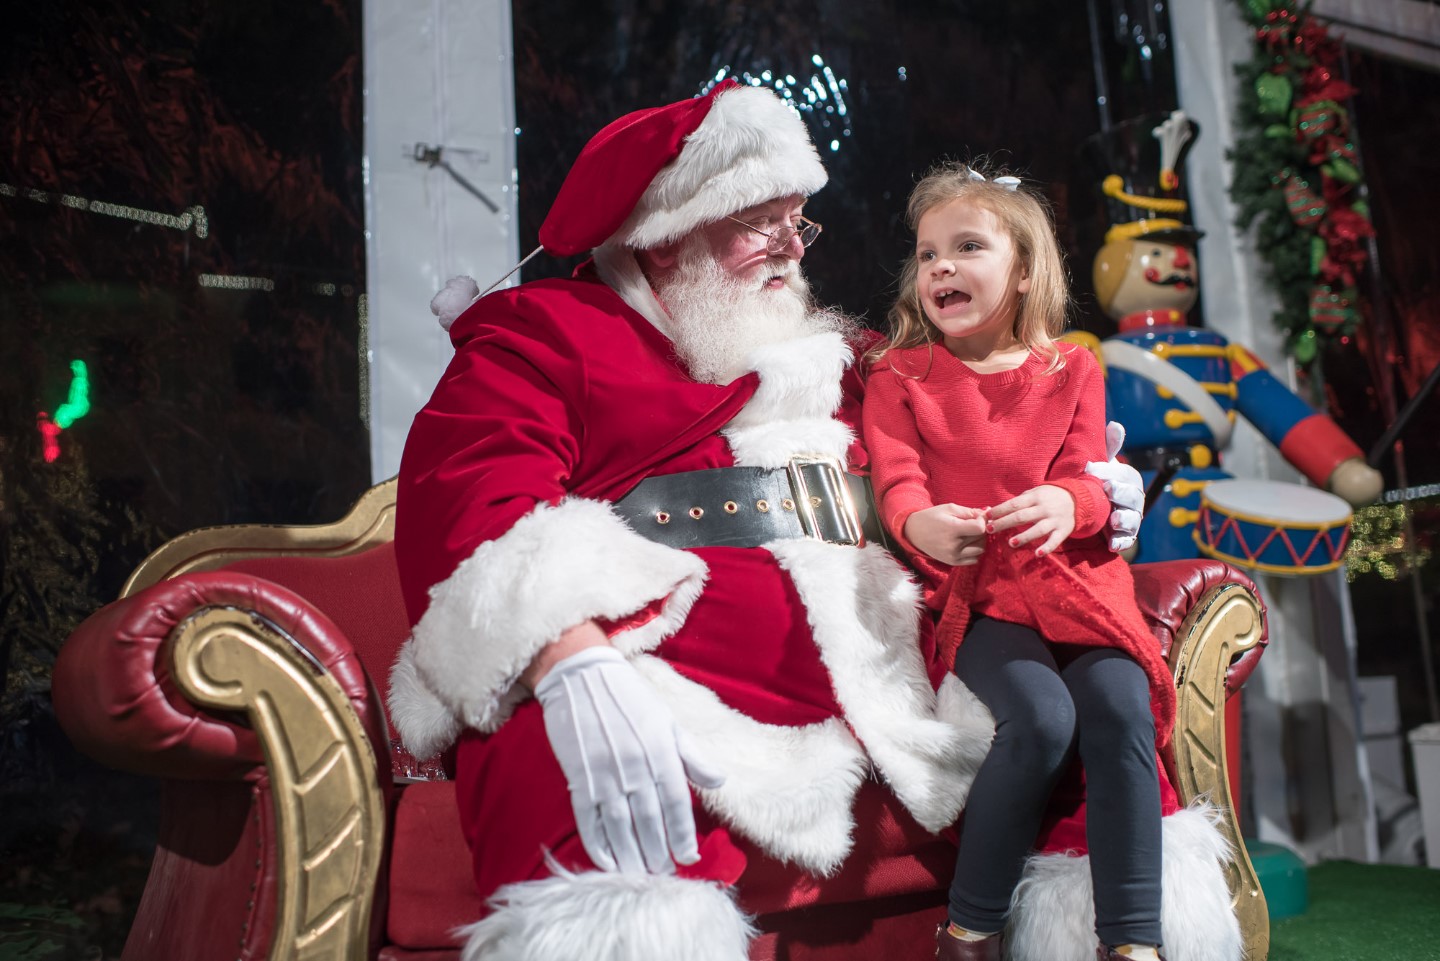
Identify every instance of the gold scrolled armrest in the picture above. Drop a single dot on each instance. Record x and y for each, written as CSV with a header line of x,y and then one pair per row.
x,y
329,807
1224,624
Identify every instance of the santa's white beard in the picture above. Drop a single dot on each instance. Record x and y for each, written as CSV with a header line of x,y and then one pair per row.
x,y
717,321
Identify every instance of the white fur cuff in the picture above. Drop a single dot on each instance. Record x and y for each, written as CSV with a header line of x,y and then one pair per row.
x,y
1053,911
603,916
557,567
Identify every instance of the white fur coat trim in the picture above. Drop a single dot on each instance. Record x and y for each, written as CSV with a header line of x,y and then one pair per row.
x,y
957,706
1053,915
556,567
750,148
790,790
604,916
799,378
791,411
862,607
621,272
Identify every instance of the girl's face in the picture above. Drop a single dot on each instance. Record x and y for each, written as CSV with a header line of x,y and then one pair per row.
x,y
970,278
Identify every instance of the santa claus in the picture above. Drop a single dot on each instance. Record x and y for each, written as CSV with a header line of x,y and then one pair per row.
x,y
650,609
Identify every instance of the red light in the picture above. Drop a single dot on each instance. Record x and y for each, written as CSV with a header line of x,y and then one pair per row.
x,y
49,435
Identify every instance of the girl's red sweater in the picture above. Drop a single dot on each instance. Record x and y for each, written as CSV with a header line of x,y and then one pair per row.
x,y
939,433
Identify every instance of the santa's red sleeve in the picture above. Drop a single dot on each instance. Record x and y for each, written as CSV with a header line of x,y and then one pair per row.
x,y
497,557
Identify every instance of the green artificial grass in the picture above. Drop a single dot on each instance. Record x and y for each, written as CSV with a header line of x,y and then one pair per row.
x,y
1364,912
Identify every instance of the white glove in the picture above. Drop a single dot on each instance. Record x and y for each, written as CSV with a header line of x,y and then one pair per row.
x,y
1124,488
625,761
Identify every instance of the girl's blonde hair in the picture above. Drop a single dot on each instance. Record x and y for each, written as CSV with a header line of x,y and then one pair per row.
x,y
1024,215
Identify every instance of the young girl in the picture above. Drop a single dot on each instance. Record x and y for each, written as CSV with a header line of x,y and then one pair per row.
x,y
979,424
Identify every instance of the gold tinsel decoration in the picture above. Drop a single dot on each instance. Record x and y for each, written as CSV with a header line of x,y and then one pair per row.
x,y
1377,543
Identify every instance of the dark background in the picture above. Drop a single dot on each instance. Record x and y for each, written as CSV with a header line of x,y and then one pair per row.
x,y
1015,82
208,405
214,405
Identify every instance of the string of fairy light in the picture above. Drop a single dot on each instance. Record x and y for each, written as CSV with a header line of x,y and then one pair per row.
x,y
820,97
192,218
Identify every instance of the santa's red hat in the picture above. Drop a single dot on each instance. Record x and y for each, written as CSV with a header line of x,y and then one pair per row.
x,y
655,175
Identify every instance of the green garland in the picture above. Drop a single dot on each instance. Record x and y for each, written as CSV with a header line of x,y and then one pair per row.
x,y
1296,175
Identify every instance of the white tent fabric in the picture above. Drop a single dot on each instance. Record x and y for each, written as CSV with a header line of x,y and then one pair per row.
x,y
438,74
1301,703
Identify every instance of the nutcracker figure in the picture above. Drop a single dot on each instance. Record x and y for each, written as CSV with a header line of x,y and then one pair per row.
x,y
1177,388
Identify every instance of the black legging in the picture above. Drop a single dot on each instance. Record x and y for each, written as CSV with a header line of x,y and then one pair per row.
x,y
1099,701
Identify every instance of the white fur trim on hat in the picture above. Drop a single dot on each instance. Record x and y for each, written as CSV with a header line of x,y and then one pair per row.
x,y
555,568
609,916
452,300
1053,911
751,147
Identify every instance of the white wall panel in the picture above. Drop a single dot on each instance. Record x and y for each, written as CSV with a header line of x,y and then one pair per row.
x,y
439,74
1307,774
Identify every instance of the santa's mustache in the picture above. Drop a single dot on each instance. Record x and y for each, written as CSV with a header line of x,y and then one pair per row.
x,y
782,267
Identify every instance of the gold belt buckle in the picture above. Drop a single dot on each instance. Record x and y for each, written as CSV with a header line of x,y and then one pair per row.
x,y
835,474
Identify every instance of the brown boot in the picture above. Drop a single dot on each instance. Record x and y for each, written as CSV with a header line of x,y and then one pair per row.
x,y
1106,953
953,949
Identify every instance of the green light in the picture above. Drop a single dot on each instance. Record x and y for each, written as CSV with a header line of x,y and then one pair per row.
x,y
77,404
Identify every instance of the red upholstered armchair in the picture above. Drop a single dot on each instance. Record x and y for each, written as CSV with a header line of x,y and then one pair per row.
x,y
241,665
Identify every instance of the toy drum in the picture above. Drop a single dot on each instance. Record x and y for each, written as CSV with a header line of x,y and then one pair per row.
x,y
1273,527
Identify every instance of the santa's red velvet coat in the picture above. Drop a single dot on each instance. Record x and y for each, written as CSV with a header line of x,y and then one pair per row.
x,y
780,661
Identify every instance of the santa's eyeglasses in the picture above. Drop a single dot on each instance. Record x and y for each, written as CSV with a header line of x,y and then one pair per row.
x,y
779,238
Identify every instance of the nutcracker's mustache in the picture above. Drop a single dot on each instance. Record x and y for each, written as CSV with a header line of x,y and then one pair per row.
x,y
1173,280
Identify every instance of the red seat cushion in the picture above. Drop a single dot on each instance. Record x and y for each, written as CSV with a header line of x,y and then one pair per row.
x,y
359,592
432,891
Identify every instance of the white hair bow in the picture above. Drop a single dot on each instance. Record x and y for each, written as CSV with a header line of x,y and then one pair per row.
x,y
1009,183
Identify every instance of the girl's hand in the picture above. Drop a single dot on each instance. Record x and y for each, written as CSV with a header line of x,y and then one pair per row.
x,y
1048,510
949,533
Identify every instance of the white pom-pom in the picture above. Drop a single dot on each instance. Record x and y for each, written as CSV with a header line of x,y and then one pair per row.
x,y
459,293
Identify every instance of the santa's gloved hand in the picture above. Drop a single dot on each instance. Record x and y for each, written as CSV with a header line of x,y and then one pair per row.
x,y
1124,488
626,763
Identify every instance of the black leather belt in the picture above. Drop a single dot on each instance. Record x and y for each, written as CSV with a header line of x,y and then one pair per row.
x,y
751,506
